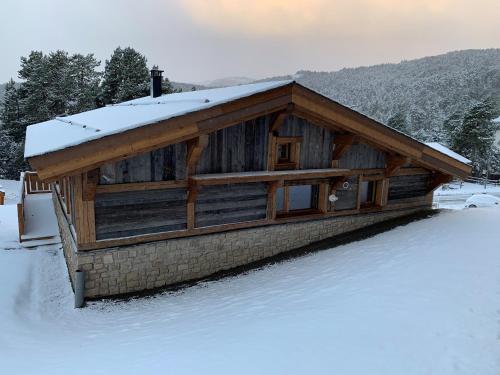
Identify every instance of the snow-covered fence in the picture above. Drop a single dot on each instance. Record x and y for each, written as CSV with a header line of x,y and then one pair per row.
x,y
481,180
33,185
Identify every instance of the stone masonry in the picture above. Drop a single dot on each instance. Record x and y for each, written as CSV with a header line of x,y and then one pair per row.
x,y
134,268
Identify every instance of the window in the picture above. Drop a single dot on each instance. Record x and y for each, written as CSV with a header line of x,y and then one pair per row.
x,y
367,193
296,199
284,153
287,153
373,192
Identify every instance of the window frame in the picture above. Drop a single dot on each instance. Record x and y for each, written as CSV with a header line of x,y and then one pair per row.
x,y
286,211
293,145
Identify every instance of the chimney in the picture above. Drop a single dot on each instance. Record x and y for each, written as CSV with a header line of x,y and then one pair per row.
x,y
156,80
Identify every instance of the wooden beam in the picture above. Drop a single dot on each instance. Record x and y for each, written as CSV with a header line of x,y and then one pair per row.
x,y
437,180
394,163
266,176
195,148
139,186
280,118
342,143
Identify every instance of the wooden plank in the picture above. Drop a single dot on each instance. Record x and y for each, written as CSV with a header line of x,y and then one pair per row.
x,y
264,176
139,186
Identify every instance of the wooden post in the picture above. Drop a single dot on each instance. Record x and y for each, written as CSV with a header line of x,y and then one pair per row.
x,y
191,201
382,192
324,190
84,209
271,199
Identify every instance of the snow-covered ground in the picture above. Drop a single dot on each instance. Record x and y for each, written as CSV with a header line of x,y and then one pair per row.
x,y
454,195
420,299
11,189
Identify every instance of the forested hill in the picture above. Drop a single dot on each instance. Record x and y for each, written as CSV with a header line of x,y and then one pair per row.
x,y
426,91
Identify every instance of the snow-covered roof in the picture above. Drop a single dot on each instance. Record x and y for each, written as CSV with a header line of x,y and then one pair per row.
x,y
445,150
63,132
497,120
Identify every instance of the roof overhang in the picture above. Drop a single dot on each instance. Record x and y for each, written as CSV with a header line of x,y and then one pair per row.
x,y
306,103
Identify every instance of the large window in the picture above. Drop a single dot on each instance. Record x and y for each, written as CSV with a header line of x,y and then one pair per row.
x,y
296,199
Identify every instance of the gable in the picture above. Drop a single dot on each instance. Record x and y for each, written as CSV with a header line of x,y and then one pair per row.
x,y
304,104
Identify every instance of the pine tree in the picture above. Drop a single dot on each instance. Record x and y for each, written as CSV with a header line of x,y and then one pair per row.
x,y
126,76
11,157
451,127
84,83
10,116
475,139
33,93
398,122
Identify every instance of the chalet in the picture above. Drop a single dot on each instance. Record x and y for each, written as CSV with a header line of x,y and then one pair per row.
x,y
170,188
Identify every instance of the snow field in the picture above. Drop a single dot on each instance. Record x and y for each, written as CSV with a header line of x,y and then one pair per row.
x,y
420,299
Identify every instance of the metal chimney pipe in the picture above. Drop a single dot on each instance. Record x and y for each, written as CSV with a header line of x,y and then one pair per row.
x,y
156,81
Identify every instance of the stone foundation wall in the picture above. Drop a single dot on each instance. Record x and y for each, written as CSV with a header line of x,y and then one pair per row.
x,y
135,268
68,242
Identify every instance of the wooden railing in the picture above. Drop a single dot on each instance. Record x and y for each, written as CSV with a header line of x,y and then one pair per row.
x,y
29,183
33,185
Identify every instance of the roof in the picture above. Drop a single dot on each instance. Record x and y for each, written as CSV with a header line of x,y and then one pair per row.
x,y
497,120
445,150
63,132
90,139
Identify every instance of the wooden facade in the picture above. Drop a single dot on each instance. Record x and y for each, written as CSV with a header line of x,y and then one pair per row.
x,y
284,155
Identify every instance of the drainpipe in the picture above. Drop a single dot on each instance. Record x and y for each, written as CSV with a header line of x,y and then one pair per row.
x,y
79,288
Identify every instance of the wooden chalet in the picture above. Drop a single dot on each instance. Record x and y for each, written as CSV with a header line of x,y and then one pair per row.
x,y
174,181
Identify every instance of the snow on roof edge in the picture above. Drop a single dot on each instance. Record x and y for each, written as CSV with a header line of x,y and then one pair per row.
x,y
446,151
269,85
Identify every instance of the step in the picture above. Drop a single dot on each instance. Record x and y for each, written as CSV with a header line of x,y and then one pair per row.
x,y
41,241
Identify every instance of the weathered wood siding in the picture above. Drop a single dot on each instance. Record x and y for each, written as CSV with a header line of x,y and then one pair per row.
x,y
231,204
168,163
139,212
402,187
317,143
362,156
239,148
348,197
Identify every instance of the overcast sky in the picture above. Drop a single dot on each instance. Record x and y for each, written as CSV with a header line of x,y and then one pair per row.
x,y
196,40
